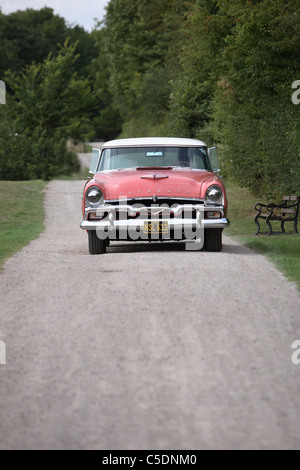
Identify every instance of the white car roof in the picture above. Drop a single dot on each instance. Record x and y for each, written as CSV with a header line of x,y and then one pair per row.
x,y
154,141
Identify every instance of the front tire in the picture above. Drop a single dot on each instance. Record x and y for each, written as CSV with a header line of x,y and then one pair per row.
x,y
96,246
213,239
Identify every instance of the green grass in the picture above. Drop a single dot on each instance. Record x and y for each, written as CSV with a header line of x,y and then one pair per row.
x,y
21,215
282,250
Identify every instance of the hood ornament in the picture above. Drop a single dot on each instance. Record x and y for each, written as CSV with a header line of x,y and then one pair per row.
x,y
154,177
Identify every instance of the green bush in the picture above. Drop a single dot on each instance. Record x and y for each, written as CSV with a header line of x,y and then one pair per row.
x,y
47,104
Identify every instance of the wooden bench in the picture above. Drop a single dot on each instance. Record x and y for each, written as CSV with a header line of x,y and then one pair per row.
x,y
288,211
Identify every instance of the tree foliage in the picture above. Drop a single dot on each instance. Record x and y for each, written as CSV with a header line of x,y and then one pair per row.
x,y
138,42
48,103
28,36
219,70
252,109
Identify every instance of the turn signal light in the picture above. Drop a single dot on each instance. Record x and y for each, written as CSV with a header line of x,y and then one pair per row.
x,y
213,215
94,216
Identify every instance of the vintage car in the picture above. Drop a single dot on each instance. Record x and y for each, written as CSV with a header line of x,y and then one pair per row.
x,y
154,189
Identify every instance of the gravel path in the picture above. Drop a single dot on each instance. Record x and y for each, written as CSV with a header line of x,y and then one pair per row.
x,y
147,347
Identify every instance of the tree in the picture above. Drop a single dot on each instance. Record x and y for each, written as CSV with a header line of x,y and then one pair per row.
x,y
203,39
139,43
106,117
239,59
253,113
48,103
28,36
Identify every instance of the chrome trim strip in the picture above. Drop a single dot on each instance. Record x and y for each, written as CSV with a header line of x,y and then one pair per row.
x,y
139,224
154,210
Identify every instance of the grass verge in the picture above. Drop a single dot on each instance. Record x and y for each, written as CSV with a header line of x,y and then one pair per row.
x,y
282,250
21,215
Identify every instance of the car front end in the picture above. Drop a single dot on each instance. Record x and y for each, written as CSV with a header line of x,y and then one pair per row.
x,y
154,190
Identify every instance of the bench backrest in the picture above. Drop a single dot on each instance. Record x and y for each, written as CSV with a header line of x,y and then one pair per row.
x,y
291,212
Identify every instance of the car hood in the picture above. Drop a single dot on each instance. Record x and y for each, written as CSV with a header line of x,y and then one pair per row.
x,y
145,183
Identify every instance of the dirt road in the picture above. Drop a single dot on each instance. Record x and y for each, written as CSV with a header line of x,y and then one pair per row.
x,y
147,347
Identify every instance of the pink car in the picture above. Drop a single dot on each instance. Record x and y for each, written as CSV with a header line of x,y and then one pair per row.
x,y
154,189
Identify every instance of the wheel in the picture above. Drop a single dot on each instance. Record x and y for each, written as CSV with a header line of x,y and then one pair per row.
x,y
213,239
96,246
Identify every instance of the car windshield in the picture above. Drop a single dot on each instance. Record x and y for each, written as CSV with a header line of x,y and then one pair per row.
x,y
154,157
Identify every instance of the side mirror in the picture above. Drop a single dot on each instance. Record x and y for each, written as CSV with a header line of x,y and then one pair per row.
x,y
95,161
214,160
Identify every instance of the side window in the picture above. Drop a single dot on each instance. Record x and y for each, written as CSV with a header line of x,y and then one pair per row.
x,y
199,159
213,157
94,160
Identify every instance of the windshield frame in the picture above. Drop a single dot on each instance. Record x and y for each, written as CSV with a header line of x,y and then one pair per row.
x,y
153,149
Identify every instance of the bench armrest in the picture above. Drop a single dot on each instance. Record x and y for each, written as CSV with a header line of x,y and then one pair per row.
x,y
259,207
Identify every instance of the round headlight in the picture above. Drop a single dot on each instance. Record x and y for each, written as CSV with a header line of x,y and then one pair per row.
x,y
94,196
214,195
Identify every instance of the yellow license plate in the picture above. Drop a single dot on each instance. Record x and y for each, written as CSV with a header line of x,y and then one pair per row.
x,y
156,227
